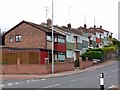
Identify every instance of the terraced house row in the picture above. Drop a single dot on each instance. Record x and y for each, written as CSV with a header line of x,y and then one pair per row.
x,y
68,42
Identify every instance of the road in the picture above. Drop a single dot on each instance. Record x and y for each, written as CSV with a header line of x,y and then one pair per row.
x,y
88,79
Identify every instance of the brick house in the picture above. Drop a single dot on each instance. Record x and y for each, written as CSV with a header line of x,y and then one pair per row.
x,y
34,36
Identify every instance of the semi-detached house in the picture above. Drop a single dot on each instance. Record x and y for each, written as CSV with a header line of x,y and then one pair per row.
x,y
30,36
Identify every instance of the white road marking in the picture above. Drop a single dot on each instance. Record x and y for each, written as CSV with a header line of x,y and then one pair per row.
x,y
52,86
2,85
9,84
27,81
33,80
111,86
115,70
16,83
43,79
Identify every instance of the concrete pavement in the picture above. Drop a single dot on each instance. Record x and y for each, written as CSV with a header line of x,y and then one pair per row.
x,y
23,77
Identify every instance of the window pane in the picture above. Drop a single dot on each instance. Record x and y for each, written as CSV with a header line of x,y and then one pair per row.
x,y
69,54
69,38
55,39
61,56
61,40
18,38
11,38
49,38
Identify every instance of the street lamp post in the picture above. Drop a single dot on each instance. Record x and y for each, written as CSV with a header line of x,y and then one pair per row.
x,y
52,42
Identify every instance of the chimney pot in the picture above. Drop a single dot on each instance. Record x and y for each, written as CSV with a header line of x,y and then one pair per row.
x,y
100,27
69,25
94,26
49,22
85,26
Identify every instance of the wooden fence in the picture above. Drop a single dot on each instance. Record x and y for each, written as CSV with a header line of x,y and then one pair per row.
x,y
23,57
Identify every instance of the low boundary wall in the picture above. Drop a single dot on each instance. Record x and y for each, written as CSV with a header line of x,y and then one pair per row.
x,y
85,64
37,68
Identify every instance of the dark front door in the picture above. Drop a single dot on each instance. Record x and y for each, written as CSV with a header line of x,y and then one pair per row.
x,y
50,57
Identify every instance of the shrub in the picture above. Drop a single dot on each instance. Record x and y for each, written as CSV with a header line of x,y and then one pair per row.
x,y
109,49
92,55
96,54
86,54
102,53
95,49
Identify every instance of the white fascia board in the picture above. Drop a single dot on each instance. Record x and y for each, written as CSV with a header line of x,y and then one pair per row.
x,y
59,32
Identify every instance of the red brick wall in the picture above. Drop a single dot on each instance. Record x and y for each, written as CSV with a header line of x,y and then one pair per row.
x,y
24,69
31,37
85,64
64,67
36,68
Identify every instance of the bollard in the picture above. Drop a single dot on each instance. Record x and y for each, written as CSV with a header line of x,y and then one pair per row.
x,y
101,81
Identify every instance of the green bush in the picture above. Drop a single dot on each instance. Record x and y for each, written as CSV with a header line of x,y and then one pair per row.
x,y
92,55
86,54
109,49
102,53
96,54
96,49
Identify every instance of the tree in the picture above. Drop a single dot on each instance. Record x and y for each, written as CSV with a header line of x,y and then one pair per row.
x,y
115,42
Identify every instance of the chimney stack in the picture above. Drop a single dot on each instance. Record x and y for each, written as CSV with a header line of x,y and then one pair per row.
x,y
49,23
94,26
85,26
69,25
100,27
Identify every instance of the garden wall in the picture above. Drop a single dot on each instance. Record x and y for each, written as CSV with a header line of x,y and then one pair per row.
x,y
85,64
37,68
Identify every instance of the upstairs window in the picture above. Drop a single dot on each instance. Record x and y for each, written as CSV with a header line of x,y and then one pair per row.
x,y
11,38
61,39
49,38
18,38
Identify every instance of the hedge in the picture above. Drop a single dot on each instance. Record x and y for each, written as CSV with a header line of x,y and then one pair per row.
x,y
92,55
96,49
105,51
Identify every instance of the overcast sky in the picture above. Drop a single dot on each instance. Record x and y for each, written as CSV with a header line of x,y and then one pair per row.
x,y
105,13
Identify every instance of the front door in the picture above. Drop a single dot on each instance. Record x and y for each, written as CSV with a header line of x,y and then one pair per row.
x,y
50,57
77,55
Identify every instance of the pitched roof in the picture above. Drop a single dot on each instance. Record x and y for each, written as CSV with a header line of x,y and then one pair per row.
x,y
70,30
91,30
99,30
38,26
